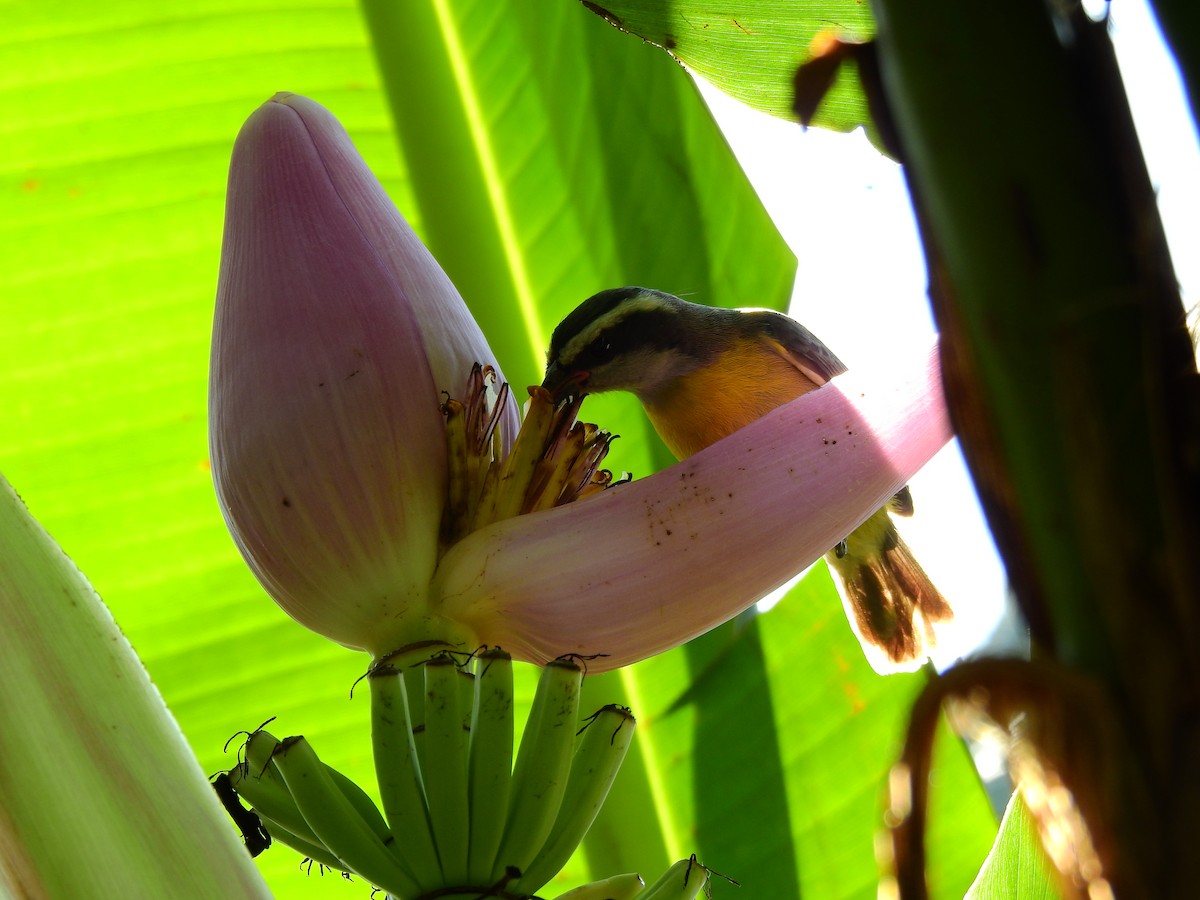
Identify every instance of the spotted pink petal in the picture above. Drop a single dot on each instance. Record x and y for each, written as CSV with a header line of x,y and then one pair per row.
x,y
645,567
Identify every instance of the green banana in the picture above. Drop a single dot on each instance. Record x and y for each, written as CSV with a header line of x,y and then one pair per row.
x,y
542,767
260,775
491,758
399,777
445,769
618,887
413,679
260,746
598,757
683,881
466,696
362,804
316,852
337,823
458,813
258,780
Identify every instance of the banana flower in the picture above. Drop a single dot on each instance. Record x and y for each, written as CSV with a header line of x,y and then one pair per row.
x,y
336,339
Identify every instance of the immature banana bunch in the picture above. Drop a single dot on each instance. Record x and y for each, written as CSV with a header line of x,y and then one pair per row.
x,y
459,818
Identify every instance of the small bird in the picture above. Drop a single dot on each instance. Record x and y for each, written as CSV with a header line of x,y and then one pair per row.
x,y
702,373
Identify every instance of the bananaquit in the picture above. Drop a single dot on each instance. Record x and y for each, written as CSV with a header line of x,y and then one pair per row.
x,y
702,373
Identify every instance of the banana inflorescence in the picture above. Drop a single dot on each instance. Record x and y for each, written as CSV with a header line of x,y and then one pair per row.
x,y
460,817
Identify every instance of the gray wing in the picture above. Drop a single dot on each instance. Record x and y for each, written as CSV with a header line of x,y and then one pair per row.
x,y
795,343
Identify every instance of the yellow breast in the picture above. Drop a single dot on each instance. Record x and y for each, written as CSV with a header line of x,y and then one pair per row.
x,y
746,382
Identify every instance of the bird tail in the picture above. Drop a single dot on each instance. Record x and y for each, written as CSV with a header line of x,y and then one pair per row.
x,y
889,600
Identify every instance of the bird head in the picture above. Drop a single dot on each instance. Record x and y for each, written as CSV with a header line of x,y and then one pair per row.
x,y
629,339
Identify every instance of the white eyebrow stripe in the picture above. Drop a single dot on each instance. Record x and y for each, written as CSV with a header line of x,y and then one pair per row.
x,y
641,302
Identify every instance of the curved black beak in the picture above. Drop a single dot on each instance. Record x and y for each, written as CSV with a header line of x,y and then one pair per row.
x,y
564,384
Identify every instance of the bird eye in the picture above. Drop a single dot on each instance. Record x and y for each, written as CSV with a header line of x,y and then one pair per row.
x,y
608,347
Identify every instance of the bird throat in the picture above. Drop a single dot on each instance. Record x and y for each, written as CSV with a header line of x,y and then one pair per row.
x,y
744,383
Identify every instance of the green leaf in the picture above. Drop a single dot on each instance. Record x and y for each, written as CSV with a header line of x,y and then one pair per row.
x,y
1017,865
556,160
751,50
766,746
86,739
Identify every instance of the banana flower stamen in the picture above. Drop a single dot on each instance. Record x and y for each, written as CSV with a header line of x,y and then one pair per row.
x,y
554,459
